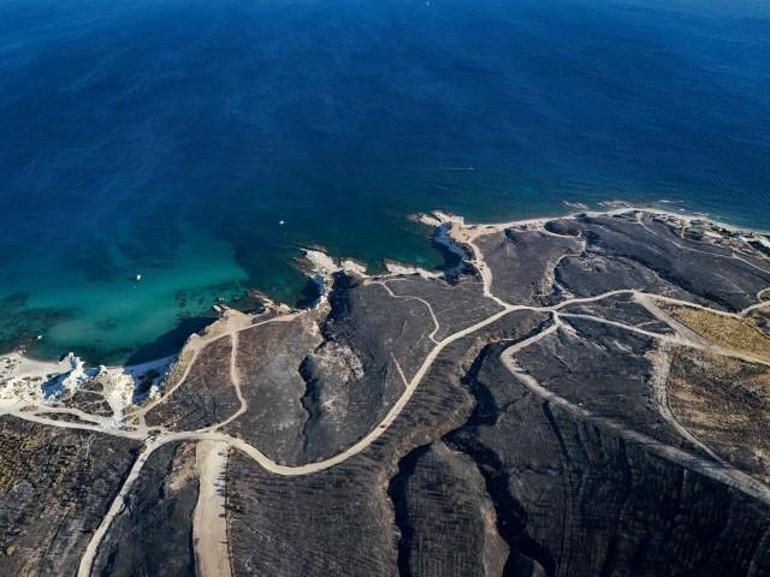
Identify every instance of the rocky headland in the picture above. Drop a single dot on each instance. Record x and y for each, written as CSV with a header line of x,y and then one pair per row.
x,y
578,396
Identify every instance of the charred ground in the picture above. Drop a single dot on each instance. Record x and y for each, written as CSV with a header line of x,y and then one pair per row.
x,y
587,397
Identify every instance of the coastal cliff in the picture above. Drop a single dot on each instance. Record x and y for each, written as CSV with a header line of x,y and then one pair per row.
x,y
584,395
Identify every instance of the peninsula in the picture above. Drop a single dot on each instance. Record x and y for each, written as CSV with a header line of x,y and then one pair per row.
x,y
579,396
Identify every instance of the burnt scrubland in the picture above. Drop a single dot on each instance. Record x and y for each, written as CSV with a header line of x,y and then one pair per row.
x,y
588,396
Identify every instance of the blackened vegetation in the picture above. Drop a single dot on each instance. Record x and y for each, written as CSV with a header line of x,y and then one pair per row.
x,y
55,486
565,467
522,262
353,377
397,490
511,516
623,309
574,499
479,475
341,520
158,514
646,254
206,396
457,305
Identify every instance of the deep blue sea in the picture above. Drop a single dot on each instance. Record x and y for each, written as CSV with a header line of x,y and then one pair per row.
x,y
169,138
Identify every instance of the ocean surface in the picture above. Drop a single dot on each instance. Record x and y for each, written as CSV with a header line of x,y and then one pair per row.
x,y
168,139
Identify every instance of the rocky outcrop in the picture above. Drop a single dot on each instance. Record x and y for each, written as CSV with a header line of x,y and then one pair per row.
x,y
584,397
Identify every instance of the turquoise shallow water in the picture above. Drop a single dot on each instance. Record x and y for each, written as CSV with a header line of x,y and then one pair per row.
x,y
169,138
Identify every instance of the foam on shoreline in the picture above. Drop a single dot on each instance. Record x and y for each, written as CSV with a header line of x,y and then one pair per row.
x,y
436,218
24,379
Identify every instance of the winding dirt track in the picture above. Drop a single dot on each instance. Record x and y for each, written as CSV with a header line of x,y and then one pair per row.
x,y
235,378
212,551
117,506
716,470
